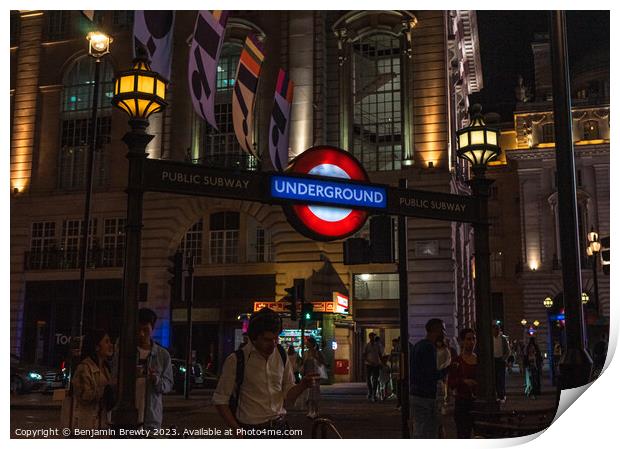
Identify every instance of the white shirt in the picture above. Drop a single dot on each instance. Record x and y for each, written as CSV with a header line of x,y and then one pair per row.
x,y
266,382
498,350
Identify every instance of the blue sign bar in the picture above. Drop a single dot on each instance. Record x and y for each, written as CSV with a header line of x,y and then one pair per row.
x,y
330,192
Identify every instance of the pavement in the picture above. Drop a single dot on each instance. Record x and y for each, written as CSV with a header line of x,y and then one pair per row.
x,y
344,403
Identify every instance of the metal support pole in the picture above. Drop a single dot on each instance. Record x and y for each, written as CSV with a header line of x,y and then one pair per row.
x,y
302,325
403,290
78,321
190,303
486,363
595,279
576,364
125,414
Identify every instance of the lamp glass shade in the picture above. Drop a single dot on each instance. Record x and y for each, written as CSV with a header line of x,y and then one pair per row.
x,y
585,298
592,236
491,137
548,302
536,323
98,44
596,246
139,92
589,251
523,322
463,140
477,137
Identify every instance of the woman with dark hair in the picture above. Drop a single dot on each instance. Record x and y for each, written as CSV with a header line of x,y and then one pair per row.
x,y
313,362
462,381
91,383
532,361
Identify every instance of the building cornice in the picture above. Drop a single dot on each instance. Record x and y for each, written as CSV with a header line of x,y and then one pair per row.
x,y
471,49
549,153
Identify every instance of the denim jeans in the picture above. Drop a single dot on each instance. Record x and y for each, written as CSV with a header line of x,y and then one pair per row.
x,y
425,419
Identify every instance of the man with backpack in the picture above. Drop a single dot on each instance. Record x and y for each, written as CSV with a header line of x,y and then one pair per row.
x,y
257,380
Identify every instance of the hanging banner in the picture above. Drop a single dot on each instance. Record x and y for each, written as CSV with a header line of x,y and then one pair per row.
x,y
280,117
244,93
152,34
203,57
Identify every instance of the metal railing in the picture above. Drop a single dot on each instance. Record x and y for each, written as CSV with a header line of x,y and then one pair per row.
x,y
55,259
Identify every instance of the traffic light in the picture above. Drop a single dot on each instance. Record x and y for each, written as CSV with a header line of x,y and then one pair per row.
x,y
176,281
291,298
356,251
381,239
307,312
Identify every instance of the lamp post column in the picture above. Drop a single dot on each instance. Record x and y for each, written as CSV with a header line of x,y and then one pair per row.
x,y
576,364
125,414
486,374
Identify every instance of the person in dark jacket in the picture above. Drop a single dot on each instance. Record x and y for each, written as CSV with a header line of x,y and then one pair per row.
x,y
424,377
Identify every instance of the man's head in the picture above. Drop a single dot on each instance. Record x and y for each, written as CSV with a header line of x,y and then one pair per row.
x,y
435,330
146,323
371,337
496,329
263,330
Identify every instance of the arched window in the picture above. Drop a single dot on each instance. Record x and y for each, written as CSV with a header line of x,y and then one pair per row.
x,y
590,130
377,117
224,237
75,119
191,244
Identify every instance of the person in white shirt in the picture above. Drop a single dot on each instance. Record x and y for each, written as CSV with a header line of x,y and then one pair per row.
x,y
267,384
501,351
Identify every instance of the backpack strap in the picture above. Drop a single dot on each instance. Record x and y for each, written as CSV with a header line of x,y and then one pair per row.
x,y
240,371
282,354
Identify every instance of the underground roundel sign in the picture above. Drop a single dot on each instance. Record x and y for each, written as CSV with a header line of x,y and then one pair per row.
x,y
325,222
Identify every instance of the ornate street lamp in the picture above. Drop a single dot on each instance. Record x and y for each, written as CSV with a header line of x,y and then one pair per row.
x,y
536,323
524,322
98,47
585,298
593,250
548,302
139,92
479,144
98,44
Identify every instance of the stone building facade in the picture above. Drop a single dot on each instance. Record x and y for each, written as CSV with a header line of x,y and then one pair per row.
x,y
389,86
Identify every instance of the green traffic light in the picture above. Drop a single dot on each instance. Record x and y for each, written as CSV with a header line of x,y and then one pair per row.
x,y
307,316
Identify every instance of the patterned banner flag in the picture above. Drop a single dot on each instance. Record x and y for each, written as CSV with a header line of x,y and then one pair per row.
x,y
280,118
152,34
203,57
89,14
244,93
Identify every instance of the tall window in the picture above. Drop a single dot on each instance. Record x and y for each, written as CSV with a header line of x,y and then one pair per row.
x,y
113,241
191,245
58,24
220,147
122,19
258,242
43,236
548,133
377,140
224,237
590,130
497,264
75,116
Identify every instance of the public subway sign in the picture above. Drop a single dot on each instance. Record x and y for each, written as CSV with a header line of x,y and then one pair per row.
x,y
325,193
191,179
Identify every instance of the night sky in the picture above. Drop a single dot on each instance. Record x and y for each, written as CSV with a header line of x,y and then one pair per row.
x,y
505,46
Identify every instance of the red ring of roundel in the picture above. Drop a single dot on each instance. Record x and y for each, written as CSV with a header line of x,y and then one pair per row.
x,y
329,155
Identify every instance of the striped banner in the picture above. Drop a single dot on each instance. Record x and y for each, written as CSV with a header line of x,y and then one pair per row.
x,y
203,57
280,118
152,35
244,94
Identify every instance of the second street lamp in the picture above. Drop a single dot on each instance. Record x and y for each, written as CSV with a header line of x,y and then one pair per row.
x,y
479,144
593,250
98,47
140,92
